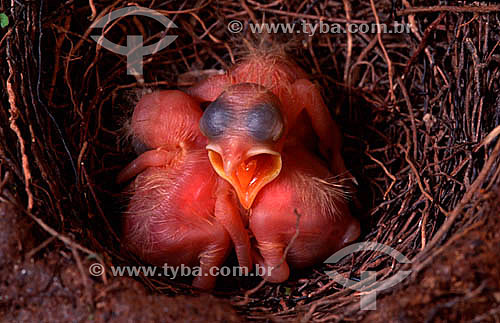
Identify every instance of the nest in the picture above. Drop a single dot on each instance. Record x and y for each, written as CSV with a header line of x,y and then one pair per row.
x,y
420,113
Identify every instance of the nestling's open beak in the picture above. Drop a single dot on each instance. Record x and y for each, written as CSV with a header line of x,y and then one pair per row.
x,y
247,176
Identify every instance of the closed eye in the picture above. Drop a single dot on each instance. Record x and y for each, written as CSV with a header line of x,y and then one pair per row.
x,y
264,122
215,119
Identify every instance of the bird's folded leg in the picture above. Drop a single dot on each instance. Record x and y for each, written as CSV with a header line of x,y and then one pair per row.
x,y
212,257
270,256
150,158
308,97
227,213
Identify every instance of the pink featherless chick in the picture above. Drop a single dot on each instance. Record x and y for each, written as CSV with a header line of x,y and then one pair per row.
x,y
264,124
180,212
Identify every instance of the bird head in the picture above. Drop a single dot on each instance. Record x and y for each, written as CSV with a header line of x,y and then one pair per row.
x,y
245,131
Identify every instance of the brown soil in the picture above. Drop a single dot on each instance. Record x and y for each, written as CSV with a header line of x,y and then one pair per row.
x,y
52,288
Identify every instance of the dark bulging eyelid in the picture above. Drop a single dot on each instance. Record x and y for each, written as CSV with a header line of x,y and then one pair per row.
x,y
215,119
264,122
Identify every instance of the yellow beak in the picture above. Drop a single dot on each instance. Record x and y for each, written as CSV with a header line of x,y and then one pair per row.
x,y
249,176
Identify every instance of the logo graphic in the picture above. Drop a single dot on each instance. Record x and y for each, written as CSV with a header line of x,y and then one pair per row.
x,y
135,51
368,283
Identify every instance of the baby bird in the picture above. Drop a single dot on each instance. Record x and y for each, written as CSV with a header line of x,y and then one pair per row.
x,y
261,127
240,174
180,212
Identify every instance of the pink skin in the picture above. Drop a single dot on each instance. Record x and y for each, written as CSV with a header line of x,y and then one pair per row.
x,y
179,212
297,94
322,230
325,224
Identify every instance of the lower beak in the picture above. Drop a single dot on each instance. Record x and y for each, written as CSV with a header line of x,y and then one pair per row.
x,y
249,176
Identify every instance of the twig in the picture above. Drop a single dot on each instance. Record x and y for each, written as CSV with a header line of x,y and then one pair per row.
x,y
249,11
412,117
386,55
44,244
14,114
348,9
93,10
488,139
306,16
83,274
454,9
392,177
63,238
294,237
423,43
246,298
419,180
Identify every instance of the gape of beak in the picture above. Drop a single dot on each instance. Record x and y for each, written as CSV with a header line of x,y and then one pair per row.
x,y
247,175
245,127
